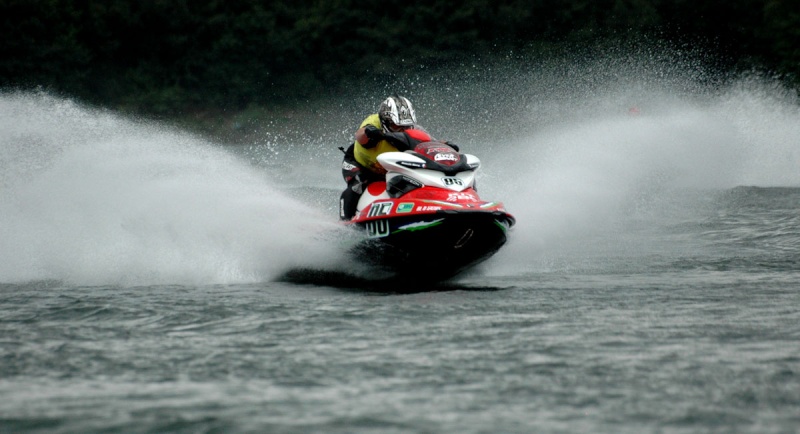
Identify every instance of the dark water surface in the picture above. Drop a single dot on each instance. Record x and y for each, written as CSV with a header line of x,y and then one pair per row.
x,y
699,343
153,281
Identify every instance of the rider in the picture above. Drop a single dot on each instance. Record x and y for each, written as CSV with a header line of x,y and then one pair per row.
x,y
393,128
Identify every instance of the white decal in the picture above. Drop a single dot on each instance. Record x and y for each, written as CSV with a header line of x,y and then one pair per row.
x,y
412,181
443,203
378,229
428,208
455,197
437,150
452,181
419,225
445,157
379,209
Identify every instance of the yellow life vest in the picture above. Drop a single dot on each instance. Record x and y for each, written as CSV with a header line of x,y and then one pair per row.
x,y
368,157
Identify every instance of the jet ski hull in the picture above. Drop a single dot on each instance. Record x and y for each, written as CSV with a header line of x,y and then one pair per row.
x,y
426,221
434,245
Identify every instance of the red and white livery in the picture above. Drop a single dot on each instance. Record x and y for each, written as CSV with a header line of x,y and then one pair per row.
x,y
428,212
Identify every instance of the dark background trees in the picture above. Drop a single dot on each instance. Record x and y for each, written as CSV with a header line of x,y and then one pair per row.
x,y
167,56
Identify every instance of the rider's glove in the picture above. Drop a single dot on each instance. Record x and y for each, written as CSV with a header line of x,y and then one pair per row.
x,y
373,133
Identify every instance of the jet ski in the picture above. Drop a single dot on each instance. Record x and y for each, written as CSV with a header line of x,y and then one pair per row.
x,y
426,219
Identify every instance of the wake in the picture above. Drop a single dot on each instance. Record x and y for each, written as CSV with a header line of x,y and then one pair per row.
x,y
89,197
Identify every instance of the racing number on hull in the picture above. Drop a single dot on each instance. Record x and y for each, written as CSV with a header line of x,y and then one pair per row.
x,y
379,209
378,229
452,181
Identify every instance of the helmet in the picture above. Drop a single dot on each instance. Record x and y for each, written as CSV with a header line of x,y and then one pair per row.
x,y
397,110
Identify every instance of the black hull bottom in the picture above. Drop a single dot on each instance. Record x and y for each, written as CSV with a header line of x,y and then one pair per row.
x,y
433,247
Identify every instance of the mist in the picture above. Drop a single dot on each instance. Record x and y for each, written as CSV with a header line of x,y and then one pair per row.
x,y
576,150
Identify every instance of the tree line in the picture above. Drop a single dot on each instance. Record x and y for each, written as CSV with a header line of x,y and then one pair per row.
x,y
158,56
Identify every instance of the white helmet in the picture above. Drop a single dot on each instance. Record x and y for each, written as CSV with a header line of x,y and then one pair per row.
x,y
397,110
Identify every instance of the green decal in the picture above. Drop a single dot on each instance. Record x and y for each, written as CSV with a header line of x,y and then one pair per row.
x,y
405,207
418,226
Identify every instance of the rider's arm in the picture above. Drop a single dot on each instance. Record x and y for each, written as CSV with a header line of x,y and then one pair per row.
x,y
369,133
361,137
401,140
369,136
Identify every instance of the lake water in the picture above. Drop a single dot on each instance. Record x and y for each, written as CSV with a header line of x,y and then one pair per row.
x,y
153,281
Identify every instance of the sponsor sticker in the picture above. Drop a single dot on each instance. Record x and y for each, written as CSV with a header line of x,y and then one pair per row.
x,y
405,207
428,208
412,181
445,157
411,164
455,197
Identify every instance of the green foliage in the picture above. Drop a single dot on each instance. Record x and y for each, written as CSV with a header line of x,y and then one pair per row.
x,y
167,57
